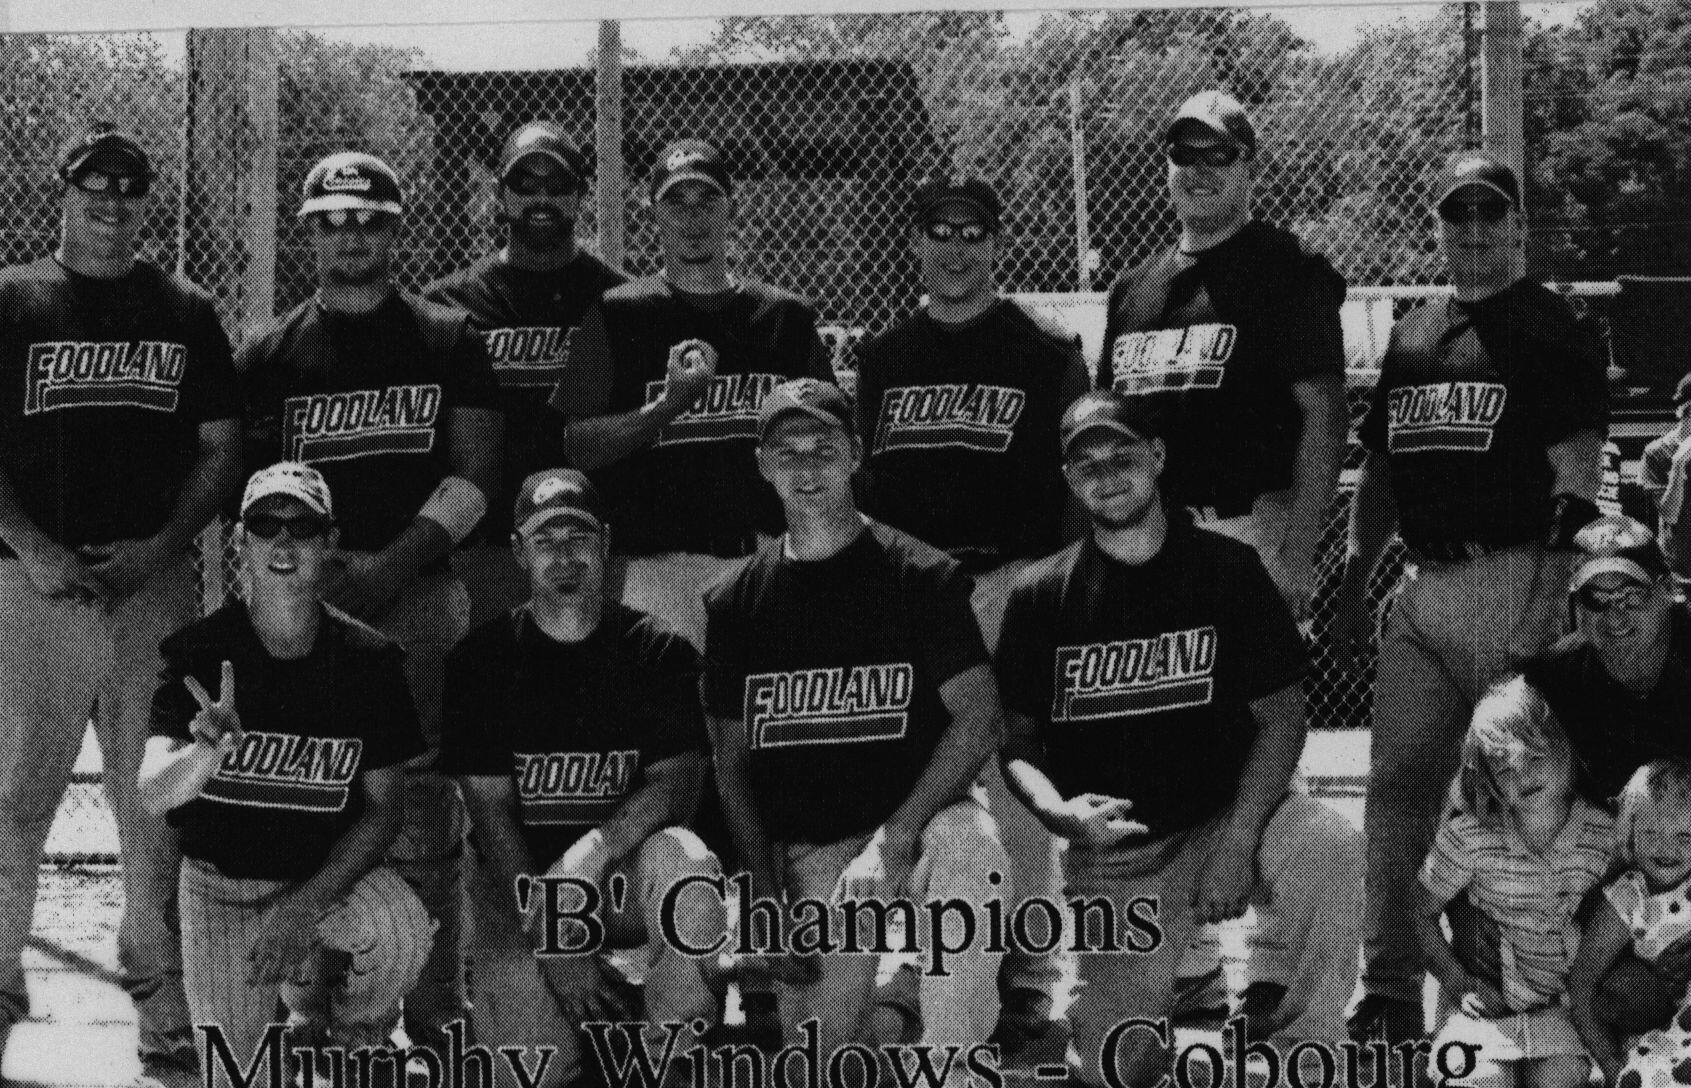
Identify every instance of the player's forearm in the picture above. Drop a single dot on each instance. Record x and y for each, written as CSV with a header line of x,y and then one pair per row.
x,y
354,854
739,812
499,843
1373,519
974,736
664,801
417,545
598,441
1435,950
174,772
1320,452
1273,760
20,533
215,475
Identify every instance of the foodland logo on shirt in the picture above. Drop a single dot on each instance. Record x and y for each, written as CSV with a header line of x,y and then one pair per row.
x,y
285,770
529,356
1443,416
1169,360
360,423
572,787
103,374
726,410
1135,676
976,417
829,706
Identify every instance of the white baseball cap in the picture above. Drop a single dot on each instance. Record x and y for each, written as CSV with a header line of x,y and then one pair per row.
x,y
293,479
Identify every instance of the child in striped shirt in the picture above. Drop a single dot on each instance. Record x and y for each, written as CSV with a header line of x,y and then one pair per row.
x,y
1525,849
1649,910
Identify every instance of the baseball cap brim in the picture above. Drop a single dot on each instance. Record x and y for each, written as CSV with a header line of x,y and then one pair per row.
x,y
1476,183
960,200
348,202
1610,564
541,153
810,410
543,516
1114,426
687,175
284,490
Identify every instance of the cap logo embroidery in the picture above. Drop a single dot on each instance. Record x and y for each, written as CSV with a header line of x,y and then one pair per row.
x,y
346,179
679,160
548,490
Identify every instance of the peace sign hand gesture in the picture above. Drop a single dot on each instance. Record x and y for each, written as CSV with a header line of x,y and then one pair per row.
x,y
217,723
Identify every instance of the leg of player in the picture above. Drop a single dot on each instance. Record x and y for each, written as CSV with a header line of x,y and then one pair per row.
x,y
840,999
220,919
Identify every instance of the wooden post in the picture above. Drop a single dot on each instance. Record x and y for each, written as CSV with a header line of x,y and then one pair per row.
x,y
1502,68
608,138
228,200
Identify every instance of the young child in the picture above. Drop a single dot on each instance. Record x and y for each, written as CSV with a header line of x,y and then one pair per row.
x,y
1649,908
1525,849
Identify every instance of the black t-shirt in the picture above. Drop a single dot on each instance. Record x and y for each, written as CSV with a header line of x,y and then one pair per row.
x,y
1613,731
279,801
696,489
833,667
1469,397
1217,339
959,426
529,320
367,399
574,725
1140,678
111,379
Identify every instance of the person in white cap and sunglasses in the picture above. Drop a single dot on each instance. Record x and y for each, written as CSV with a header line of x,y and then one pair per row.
x,y
391,397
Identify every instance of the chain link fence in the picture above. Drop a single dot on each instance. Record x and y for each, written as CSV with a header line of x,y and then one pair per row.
x,y
829,122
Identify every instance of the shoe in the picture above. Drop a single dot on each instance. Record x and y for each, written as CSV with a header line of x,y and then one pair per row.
x,y
1200,1002
1024,1017
763,1019
1259,1005
1388,1019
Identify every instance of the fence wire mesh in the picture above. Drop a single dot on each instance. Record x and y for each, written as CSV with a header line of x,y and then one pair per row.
x,y
829,122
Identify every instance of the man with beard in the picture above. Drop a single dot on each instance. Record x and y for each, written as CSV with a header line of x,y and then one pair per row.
x,y
121,438
672,368
391,397
1484,437
527,301
1152,670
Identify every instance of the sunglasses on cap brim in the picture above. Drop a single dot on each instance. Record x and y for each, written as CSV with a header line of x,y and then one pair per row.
x,y
301,527
352,218
526,183
1215,156
103,183
941,231
1490,210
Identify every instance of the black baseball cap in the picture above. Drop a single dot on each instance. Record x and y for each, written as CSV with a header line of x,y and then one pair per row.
x,y
691,160
1480,169
1221,114
1620,545
1107,410
817,399
557,493
547,140
352,180
102,145
975,194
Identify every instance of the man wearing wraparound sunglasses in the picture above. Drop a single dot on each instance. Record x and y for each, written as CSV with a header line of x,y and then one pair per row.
x,y
1233,335
1484,439
391,397
119,438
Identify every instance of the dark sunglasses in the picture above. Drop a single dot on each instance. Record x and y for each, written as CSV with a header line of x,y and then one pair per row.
x,y
525,183
269,527
1215,156
1480,211
101,183
972,233
359,218
1628,599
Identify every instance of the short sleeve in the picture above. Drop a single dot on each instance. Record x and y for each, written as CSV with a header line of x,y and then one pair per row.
x,y
1023,661
819,363
1272,654
722,681
1105,374
671,683
949,626
1449,867
395,734
1574,388
472,723
1307,328
210,389
173,707
473,369
1371,432
585,390
1654,465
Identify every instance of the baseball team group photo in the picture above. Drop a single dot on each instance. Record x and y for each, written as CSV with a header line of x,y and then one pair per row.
x,y
1114,548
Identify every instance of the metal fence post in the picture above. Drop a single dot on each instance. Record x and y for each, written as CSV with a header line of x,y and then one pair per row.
x,y
1502,71
608,139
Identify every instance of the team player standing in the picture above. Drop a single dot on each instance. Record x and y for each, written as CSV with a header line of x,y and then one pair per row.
x,y
700,405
